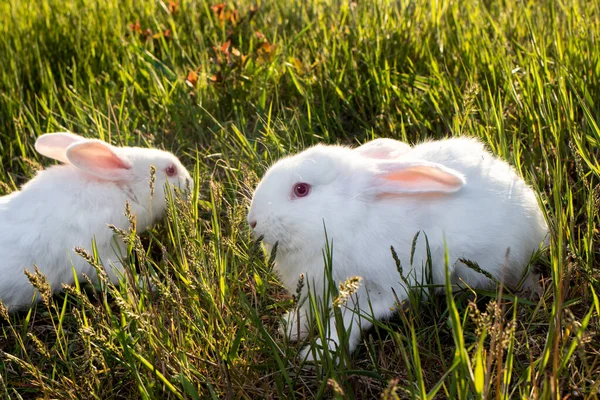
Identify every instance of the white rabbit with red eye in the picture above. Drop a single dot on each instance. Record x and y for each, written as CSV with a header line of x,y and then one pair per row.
x,y
453,190
72,204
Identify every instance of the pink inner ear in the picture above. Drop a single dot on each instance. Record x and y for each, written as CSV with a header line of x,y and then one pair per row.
x,y
100,157
424,179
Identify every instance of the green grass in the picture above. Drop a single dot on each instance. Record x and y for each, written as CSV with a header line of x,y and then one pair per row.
x,y
522,75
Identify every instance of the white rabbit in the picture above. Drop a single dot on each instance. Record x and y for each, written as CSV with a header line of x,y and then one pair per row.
x,y
452,190
71,204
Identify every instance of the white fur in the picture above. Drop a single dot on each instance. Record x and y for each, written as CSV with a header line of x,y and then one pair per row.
x,y
450,189
66,206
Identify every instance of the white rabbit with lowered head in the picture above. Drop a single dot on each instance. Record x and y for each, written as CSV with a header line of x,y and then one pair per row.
x,y
380,195
72,204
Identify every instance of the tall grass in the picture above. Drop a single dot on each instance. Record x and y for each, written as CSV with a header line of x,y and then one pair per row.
x,y
232,88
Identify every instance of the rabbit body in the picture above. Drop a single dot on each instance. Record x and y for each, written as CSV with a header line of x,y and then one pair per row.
x,y
453,191
68,206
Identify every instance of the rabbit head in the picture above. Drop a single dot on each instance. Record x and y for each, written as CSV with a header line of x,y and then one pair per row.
x,y
337,186
128,168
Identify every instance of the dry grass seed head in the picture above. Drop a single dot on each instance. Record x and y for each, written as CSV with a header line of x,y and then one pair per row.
x,y
390,391
80,297
130,216
347,289
40,282
152,179
493,323
4,189
4,311
101,272
335,386
299,287
39,345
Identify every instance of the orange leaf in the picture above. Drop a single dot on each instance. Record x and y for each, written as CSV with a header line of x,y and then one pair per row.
x,y
135,27
259,35
266,48
225,47
233,16
218,8
298,65
266,51
217,78
192,78
173,6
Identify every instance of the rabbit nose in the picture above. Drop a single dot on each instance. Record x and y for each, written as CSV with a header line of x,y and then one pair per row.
x,y
252,224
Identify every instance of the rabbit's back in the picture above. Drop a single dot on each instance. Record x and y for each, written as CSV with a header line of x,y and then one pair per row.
x,y
496,211
41,224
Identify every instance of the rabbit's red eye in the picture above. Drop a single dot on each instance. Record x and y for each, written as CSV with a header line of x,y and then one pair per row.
x,y
301,189
171,170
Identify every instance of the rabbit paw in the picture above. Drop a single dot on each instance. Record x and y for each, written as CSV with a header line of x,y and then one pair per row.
x,y
532,288
314,353
294,325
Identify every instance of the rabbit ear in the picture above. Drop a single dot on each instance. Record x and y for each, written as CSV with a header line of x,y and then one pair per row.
x,y
383,148
99,159
406,177
54,145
